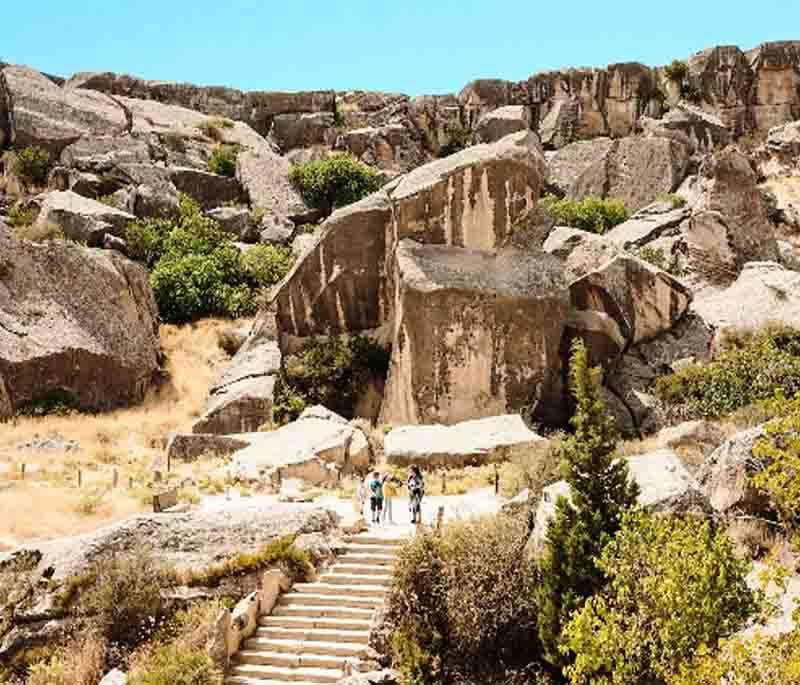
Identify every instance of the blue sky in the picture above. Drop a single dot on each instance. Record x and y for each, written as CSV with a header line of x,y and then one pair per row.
x,y
416,46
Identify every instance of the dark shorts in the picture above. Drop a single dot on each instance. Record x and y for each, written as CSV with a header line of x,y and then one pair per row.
x,y
376,503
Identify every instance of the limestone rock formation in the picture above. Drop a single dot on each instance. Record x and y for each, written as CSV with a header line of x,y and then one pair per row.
x,y
501,122
470,443
76,321
81,219
474,334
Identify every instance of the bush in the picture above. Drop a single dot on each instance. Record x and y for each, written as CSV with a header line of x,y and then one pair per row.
x,y
335,182
288,403
458,138
676,71
267,265
332,371
213,128
18,216
753,368
39,233
125,597
172,665
534,469
590,214
81,662
674,585
223,160
196,268
462,604
31,165
677,201
54,403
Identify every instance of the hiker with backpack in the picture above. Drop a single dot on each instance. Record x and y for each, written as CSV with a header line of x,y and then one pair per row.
x,y
416,491
376,497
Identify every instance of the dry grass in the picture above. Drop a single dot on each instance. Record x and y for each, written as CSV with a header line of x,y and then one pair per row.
x,y
129,440
81,662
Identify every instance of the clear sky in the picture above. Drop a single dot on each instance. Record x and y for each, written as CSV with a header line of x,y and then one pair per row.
x,y
411,46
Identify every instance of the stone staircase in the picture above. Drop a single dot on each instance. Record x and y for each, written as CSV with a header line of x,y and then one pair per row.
x,y
317,628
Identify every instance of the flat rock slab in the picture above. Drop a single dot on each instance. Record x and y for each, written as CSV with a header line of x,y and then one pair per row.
x,y
471,443
665,484
82,219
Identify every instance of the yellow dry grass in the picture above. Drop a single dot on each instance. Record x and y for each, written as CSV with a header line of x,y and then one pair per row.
x,y
129,440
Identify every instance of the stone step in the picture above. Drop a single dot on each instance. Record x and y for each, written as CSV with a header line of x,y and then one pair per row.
x,y
354,548
377,540
356,580
360,637
280,674
322,611
327,622
290,660
346,567
366,558
339,590
355,601
302,646
245,680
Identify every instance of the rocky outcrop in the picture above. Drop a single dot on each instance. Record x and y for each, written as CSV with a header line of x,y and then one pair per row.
x,y
81,219
501,122
471,443
391,147
74,321
316,449
636,169
658,220
474,334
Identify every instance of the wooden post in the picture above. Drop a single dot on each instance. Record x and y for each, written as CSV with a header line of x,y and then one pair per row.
x,y
439,519
169,462
444,482
115,481
496,480
22,470
80,478
130,482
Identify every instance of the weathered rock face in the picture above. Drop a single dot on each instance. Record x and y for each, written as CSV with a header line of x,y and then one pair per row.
x,y
701,131
623,302
391,148
315,448
655,221
725,477
635,169
82,219
779,165
74,320
40,112
729,224
501,122
471,443
471,198
475,334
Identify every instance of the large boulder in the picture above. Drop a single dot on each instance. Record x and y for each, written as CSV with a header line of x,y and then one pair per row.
x,y
471,443
655,221
391,147
47,115
76,321
475,334
665,484
210,190
82,219
725,477
240,401
501,122
636,169
316,448
625,301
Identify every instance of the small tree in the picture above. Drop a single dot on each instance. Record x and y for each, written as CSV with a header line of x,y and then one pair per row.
x,y
674,585
601,493
334,182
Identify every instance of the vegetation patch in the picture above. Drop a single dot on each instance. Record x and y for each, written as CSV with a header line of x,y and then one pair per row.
x,y
57,402
223,160
676,71
18,216
593,214
335,182
198,271
329,371
752,368
677,201
80,662
31,165
458,138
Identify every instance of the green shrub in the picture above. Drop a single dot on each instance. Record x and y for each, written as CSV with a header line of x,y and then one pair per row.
x,y
288,403
173,665
56,402
196,268
601,493
334,182
19,216
458,138
267,265
125,597
333,371
677,201
462,603
654,256
223,160
590,214
674,585
676,71
752,369
534,469
31,165
213,128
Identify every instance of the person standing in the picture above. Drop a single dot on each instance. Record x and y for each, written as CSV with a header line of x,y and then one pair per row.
x,y
390,484
376,496
416,491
